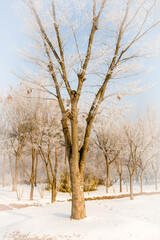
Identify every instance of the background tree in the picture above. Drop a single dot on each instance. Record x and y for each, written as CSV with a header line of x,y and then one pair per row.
x,y
119,166
15,126
151,153
107,139
155,167
49,144
138,142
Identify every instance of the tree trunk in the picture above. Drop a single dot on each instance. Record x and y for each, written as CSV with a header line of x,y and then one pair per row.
x,y
35,182
14,187
15,180
120,182
11,167
54,192
4,170
78,203
142,173
156,180
32,190
32,174
131,187
65,157
108,178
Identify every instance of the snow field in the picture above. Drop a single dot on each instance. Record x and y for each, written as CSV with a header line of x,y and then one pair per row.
x,y
116,219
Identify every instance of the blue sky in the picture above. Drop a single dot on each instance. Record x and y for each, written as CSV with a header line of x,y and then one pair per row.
x,y
12,39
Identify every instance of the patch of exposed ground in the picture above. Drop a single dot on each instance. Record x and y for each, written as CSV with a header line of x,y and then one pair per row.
x,y
4,207
12,206
20,236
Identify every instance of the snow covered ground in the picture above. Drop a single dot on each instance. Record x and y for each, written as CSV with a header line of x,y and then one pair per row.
x,y
116,219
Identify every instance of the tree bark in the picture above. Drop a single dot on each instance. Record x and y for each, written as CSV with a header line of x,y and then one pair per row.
x,y
54,192
19,151
65,157
32,174
156,180
142,173
131,187
120,182
36,168
108,178
78,203
15,180
32,190
4,170
11,167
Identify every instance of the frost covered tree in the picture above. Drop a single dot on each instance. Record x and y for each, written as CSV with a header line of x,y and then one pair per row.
x,y
150,156
109,139
155,167
155,162
138,143
40,133
14,119
119,166
49,143
81,45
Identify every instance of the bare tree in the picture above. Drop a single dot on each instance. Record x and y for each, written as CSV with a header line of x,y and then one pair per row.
x,y
40,135
92,42
150,157
14,128
48,146
138,143
119,167
155,167
154,132
108,139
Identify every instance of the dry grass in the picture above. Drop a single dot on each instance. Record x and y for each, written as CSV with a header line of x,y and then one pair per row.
x,y
121,196
117,196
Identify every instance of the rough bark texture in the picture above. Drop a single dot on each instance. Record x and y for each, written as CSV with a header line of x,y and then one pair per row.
x,y
78,203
